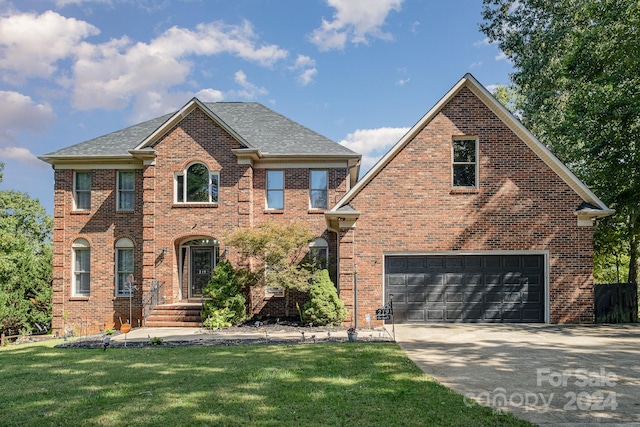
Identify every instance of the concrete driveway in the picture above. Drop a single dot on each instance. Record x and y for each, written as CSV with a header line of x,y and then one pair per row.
x,y
547,374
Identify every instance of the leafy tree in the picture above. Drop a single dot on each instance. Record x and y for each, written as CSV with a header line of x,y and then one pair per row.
x,y
227,303
276,252
576,65
324,306
25,262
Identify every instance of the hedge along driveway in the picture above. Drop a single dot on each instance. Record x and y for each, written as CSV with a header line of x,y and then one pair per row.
x,y
355,384
547,374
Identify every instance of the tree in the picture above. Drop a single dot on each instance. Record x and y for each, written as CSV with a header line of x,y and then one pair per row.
x,y
576,65
324,306
225,305
25,262
277,252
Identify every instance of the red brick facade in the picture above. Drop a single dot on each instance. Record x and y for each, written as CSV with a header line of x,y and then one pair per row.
x,y
158,223
520,205
406,204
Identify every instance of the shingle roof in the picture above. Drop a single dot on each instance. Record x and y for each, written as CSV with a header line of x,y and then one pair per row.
x,y
271,132
116,143
261,127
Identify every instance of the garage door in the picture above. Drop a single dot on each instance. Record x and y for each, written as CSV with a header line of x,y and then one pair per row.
x,y
470,288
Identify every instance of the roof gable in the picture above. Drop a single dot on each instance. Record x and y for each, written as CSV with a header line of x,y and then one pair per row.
x,y
507,118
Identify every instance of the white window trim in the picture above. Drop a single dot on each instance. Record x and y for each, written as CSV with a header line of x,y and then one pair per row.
x,y
476,163
121,244
326,189
183,173
75,190
118,191
79,245
267,190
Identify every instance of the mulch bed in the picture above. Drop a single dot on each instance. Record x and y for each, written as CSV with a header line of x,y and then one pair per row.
x,y
308,334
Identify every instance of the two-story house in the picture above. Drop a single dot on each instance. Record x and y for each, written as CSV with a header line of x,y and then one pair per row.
x,y
467,218
140,213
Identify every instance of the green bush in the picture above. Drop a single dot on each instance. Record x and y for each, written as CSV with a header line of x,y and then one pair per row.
x,y
227,303
324,306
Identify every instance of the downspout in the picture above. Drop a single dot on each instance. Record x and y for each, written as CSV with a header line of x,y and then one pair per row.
x,y
355,296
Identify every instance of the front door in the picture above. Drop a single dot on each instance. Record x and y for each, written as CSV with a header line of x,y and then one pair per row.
x,y
201,267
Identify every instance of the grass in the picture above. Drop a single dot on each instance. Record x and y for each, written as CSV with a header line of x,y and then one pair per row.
x,y
332,384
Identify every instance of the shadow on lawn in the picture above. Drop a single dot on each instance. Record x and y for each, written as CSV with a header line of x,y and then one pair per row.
x,y
325,384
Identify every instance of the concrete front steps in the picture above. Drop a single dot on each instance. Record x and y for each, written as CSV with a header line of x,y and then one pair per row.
x,y
178,315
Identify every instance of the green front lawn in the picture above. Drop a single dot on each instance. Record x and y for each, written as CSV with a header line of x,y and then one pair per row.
x,y
332,384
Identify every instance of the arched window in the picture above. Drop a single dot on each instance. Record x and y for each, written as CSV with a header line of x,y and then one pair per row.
x,y
81,267
319,252
197,185
124,267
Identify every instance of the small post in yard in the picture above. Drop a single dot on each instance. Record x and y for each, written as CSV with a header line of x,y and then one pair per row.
x,y
130,289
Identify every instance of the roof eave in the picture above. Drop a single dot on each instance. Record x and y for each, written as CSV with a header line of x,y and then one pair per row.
x,y
53,160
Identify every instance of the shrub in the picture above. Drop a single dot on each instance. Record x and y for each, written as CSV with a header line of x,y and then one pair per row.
x,y
227,303
324,306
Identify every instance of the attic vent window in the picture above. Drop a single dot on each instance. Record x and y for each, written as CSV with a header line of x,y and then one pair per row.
x,y
465,164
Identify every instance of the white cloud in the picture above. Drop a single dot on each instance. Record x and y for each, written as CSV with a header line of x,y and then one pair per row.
x,y
502,57
121,70
402,82
249,90
306,67
493,87
484,42
373,143
20,154
19,112
31,45
63,3
355,21
209,95
307,76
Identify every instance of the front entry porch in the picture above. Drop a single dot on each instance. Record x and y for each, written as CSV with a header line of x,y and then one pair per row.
x,y
177,315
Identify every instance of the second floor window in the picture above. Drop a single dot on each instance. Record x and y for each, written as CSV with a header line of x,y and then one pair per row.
x,y
126,190
197,185
275,189
465,165
318,189
82,190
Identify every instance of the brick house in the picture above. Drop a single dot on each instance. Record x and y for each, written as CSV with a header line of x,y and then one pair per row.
x,y
147,208
467,218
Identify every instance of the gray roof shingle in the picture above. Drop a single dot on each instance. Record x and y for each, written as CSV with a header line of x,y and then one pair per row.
x,y
261,127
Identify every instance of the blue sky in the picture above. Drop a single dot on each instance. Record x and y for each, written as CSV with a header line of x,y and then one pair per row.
x,y
360,72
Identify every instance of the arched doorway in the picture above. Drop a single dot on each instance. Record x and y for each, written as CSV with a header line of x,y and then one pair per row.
x,y
198,258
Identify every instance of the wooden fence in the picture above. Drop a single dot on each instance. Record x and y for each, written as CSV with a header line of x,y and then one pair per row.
x,y
616,303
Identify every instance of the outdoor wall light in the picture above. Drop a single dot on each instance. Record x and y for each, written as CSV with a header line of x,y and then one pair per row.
x,y
164,251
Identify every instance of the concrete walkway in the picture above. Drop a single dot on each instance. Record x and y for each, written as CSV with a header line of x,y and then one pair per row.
x,y
547,374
